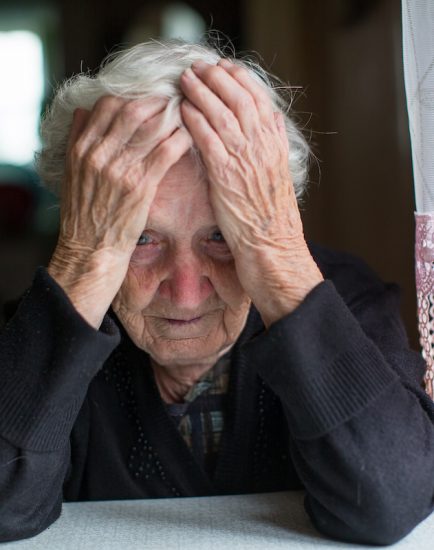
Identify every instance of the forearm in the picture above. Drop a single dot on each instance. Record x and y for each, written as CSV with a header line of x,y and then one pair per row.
x,y
370,479
363,437
49,356
30,489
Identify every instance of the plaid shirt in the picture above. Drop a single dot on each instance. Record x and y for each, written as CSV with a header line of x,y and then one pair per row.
x,y
200,417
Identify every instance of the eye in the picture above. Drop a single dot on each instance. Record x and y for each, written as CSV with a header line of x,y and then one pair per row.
x,y
145,238
217,237
150,247
216,246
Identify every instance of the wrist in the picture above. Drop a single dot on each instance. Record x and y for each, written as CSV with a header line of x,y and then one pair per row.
x,y
283,301
282,283
90,279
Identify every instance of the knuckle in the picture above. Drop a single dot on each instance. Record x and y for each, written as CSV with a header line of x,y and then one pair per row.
x,y
94,160
77,151
238,72
132,111
227,120
211,149
245,102
155,164
100,102
187,140
166,150
214,73
264,94
107,102
239,148
130,184
111,171
210,146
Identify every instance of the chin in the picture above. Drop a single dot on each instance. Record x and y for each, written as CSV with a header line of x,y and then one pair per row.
x,y
186,352
200,341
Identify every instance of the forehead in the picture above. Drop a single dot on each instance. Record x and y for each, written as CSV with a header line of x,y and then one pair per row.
x,y
182,200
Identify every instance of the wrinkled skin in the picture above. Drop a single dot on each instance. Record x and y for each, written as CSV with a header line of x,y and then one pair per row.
x,y
115,161
245,150
182,293
181,299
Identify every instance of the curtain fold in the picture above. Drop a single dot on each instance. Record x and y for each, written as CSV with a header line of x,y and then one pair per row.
x,y
418,53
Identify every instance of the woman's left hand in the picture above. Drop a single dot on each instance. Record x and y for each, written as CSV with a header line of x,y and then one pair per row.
x,y
244,147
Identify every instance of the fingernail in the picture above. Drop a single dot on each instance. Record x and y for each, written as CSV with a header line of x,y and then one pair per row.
x,y
188,73
225,63
199,65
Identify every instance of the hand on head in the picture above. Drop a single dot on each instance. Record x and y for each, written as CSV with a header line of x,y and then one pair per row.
x,y
244,147
119,152
115,161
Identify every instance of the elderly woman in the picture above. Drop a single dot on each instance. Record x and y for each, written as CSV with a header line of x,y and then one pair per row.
x,y
184,339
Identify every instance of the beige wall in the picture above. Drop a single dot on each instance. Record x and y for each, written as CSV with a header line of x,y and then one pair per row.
x,y
351,70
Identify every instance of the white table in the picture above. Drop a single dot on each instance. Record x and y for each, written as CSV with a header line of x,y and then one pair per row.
x,y
248,522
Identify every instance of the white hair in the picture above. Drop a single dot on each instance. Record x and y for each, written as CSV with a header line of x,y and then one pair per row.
x,y
151,69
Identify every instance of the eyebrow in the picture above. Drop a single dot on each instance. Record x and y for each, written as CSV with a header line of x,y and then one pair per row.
x,y
163,230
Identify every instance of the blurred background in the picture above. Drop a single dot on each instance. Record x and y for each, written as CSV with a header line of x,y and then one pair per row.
x,y
344,56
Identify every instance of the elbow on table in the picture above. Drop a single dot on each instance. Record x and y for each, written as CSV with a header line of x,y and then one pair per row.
x,y
14,525
378,523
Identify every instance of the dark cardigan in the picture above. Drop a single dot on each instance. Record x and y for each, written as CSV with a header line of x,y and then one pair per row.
x,y
329,399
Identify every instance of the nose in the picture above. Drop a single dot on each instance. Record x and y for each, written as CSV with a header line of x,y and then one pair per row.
x,y
186,285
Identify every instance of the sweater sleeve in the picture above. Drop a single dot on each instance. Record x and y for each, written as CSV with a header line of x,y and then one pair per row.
x,y
361,427
49,355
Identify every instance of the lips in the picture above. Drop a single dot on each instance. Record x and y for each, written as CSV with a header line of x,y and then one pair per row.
x,y
192,325
183,322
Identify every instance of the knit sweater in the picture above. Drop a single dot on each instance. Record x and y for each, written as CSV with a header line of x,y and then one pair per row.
x,y
328,399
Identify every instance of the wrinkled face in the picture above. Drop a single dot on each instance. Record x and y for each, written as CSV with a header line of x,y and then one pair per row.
x,y
181,300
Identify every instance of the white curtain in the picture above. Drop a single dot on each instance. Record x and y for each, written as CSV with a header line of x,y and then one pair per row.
x,y
418,50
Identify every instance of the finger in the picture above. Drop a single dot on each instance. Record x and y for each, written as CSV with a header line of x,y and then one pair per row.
x,y
258,91
98,122
237,98
129,118
152,131
145,140
219,116
80,118
204,136
281,126
112,147
165,155
112,122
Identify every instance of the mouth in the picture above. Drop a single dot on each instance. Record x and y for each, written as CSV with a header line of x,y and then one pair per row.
x,y
183,322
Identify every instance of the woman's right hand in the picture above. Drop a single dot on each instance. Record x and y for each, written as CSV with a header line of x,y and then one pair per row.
x,y
116,157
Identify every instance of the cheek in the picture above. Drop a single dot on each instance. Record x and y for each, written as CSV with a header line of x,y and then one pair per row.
x,y
228,287
139,287
224,279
